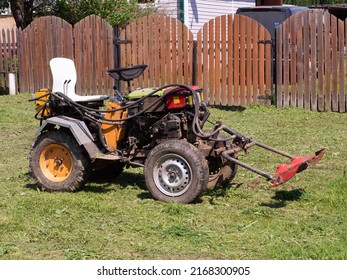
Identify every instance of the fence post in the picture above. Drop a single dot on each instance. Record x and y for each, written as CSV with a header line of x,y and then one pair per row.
x,y
12,89
117,53
195,62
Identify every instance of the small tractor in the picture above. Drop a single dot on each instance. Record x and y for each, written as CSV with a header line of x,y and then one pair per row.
x,y
159,129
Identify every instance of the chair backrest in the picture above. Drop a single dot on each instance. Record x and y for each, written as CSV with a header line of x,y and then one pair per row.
x,y
64,75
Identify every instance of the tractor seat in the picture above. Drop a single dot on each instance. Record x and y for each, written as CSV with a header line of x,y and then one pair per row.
x,y
127,73
64,80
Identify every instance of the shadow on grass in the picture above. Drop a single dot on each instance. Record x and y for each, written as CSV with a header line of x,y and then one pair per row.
x,y
282,197
124,180
228,108
34,187
220,191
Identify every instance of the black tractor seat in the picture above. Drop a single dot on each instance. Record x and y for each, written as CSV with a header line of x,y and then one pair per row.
x,y
127,73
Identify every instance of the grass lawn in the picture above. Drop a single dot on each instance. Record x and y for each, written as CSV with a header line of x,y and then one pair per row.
x,y
303,219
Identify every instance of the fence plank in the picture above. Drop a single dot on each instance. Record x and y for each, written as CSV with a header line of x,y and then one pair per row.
x,y
320,64
279,63
174,50
313,62
199,56
306,61
2,67
144,23
334,61
285,65
224,60
242,60
300,59
342,71
249,47
327,66
23,81
230,56
255,61
236,25
186,54
345,63
292,65
179,53
168,72
139,42
217,69
262,62
205,62
211,84
268,68
134,50
33,60
156,50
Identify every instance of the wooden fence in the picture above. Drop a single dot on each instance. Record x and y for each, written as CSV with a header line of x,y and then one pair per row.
x,y
312,62
8,57
89,44
230,59
227,60
234,61
165,44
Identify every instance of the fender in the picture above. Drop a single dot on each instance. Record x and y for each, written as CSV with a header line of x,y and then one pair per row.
x,y
79,130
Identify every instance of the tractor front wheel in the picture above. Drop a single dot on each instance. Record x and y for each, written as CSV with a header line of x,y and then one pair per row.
x,y
176,171
57,162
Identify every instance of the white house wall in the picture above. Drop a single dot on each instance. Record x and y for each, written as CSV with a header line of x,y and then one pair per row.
x,y
198,12
201,11
169,7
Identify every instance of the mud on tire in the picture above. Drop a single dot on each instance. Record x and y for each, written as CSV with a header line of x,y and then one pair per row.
x,y
57,162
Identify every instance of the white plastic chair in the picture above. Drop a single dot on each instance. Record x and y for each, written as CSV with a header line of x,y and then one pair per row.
x,y
64,80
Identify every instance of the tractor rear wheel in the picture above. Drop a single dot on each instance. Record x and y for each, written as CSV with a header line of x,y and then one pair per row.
x,y
176,171
57,162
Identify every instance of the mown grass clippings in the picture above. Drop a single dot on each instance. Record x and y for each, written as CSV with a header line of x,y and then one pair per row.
x,y
303,219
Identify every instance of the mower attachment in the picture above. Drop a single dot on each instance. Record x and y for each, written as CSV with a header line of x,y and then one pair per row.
x,y
284,171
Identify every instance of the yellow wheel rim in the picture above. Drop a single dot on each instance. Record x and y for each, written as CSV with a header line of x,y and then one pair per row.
x,y
56,162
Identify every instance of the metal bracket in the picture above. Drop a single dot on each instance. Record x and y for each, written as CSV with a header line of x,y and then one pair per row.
x,y
265,42
118,41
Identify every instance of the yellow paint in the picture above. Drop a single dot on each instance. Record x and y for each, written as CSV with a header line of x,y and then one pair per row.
x,y
56,162
113,132
41,101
